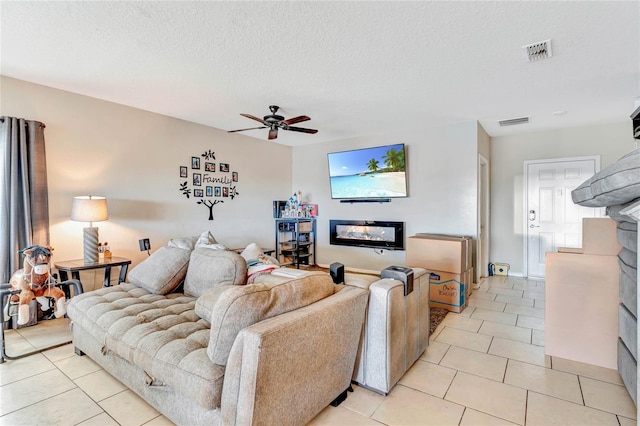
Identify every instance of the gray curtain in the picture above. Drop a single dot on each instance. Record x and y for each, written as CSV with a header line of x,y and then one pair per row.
x,y
24,199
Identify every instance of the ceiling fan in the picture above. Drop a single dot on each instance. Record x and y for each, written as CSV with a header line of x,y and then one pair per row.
x,y
274,122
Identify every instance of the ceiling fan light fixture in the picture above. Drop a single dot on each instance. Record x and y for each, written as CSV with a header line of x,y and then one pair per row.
x,y
274,122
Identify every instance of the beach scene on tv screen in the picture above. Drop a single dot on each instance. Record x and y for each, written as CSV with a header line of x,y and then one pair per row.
x,y
368,173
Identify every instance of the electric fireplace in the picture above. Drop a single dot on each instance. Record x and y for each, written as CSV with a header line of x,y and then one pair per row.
x,y
365,233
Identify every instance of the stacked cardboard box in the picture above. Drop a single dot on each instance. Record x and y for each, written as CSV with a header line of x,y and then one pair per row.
x,y
448,259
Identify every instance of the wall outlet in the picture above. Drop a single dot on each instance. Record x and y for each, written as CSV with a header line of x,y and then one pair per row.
x,y
145,245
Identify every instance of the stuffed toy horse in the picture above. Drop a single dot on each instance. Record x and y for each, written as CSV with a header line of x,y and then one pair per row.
x,y
35,282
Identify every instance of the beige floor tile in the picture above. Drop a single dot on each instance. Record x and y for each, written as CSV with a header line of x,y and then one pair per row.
x,y
404,406
77,366
530,322
436,332
514,300
525,310
494,316
99,385
607,397
463,323
504,331
464,339
16,345
487,304
102,419
428,378
20,394
67,408
363,401
128,408
59,353
476,418
544,410
435,351
529,286
484,365
538,303
483,295
159,421
626,422
533,295
47,333
500,284
519,351
497,399
468,311
537,338
505,292
334,416
544,380
587,370
18,369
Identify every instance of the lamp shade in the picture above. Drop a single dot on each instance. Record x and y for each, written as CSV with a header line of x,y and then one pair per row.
x,y
88,208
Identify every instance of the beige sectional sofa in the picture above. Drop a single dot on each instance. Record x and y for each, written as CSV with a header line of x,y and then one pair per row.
x,y
396,330
275,352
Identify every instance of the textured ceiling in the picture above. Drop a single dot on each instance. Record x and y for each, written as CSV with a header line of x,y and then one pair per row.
x,y
355,68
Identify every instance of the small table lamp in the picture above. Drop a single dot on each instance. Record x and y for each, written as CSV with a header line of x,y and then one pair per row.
x,y
90,209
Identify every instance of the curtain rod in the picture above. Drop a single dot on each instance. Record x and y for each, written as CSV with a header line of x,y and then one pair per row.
x,y
26,122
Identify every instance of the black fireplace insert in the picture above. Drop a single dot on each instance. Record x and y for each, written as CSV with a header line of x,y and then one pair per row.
x,y
366,233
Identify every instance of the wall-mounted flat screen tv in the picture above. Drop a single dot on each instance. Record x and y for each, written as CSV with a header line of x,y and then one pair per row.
x,y
378,172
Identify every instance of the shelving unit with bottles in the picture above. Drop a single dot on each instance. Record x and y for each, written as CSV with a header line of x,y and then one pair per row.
x,y
296,241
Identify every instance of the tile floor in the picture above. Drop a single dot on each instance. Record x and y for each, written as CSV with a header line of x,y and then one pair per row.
x,y
485,366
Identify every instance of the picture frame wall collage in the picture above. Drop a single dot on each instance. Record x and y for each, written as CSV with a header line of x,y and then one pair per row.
x,y
208,182
200,189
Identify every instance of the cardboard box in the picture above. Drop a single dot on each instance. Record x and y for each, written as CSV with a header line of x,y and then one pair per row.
x,y
438,253
467,250
468,282
447,290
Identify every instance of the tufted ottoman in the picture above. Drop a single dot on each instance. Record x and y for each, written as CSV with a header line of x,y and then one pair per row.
x,y
160,334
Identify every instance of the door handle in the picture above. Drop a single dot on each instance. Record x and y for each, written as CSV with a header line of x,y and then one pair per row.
x,y
534,226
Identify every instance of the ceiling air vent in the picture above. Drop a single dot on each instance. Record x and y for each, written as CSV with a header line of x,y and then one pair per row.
x,y
513,121
537,51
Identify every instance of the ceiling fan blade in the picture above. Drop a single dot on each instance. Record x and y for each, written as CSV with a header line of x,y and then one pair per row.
x,y
295,120
242,130
300,129
255,118
273,133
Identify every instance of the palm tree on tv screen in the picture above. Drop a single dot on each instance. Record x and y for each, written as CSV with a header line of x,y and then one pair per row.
x,y
394,160
373,164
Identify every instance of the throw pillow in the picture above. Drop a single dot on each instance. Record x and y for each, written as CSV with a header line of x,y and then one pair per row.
x,y
210,268
237,307
185,243
616,184
162,272
252,251
206,238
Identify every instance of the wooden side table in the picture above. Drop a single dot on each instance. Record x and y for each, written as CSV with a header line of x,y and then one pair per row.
x,y
75,266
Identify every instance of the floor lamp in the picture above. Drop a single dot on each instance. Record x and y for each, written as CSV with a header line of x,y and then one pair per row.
x,y
88,208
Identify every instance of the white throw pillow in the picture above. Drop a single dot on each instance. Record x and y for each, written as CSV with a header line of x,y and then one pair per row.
x,y
185,243
205,239
252,251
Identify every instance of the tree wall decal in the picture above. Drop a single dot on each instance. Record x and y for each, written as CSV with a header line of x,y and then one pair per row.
x,y
209,184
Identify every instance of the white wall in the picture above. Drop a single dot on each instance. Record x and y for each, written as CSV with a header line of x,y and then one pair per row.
x,y
508,153
132,157
442,176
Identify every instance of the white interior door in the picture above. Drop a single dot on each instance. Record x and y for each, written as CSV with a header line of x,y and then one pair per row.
x,y
552,220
